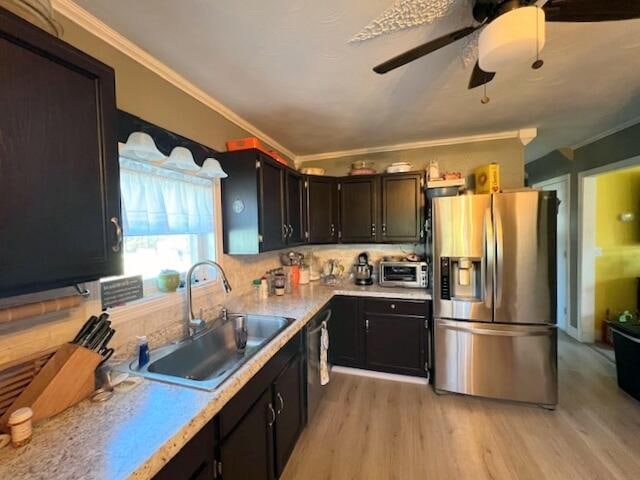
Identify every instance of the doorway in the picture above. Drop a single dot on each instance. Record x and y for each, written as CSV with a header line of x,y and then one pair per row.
x,y
562,186
591,251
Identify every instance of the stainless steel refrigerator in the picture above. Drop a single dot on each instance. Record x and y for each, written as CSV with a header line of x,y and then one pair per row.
x,y
495,296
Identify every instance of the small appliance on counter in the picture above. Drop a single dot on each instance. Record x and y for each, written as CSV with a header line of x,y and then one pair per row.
x,y
363,270
403,273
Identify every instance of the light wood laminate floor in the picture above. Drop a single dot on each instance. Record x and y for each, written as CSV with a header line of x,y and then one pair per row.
x,y
376,429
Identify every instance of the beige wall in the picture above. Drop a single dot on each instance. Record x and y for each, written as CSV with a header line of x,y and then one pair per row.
x,y
463,157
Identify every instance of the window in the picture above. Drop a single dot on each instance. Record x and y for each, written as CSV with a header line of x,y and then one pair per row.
x,y
168,220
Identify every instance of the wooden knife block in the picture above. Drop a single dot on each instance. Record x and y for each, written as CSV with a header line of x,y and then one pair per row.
x,y
66,379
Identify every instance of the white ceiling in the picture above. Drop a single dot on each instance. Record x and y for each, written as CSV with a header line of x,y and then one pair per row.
x,y
287,67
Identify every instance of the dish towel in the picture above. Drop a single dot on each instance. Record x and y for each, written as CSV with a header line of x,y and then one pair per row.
x,y
324,348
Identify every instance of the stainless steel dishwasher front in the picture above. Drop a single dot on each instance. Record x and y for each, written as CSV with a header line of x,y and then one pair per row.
x,y
315,390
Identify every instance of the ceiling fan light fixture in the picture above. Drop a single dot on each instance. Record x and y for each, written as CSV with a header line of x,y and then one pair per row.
x,y
514,37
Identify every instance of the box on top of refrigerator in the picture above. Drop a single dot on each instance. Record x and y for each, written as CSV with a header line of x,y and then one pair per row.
x,y
488,178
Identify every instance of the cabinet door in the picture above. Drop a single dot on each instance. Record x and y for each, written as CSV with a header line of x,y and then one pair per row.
x,y
59,180
359,209
247,452
402,208
195,461
395,343
289,405
272,212
322,209
295,219
345,333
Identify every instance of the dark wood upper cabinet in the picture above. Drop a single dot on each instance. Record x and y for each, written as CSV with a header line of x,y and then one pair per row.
x,y
269,206
402,208
272,204
295,224
262,204
359,209
321,207
59,181
288,400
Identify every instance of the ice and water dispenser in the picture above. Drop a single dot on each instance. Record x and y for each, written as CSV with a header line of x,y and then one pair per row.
x,y
461,278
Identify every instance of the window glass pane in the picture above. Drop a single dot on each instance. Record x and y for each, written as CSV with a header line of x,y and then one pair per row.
x,y
148,255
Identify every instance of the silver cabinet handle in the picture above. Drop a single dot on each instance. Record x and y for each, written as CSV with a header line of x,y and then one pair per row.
x,y
384,229
333,230
284,231
393,306
273,416
366,324
373,229
118,244
281,400
290,231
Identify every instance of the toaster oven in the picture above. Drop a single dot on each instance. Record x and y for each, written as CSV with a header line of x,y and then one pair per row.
x,y
403,274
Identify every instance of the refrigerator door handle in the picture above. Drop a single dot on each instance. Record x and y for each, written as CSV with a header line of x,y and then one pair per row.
x,y
499,279
489,241
499,333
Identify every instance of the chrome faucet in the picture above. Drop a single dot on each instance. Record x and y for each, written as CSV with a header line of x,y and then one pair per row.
x,y
197,324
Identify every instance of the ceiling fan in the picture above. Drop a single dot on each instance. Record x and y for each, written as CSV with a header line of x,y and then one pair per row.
x,y
503,37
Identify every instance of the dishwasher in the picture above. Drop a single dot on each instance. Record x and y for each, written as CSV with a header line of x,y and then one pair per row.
x,y
315,390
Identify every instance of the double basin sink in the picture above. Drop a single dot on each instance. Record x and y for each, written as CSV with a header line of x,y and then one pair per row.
x,y
207,359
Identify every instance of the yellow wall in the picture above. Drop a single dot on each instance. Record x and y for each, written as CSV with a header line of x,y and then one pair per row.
x,y
619,264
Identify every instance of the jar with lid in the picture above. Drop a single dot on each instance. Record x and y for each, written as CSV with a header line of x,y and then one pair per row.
x,y
279,281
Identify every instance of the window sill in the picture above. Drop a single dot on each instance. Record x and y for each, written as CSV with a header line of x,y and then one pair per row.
x,y
161,301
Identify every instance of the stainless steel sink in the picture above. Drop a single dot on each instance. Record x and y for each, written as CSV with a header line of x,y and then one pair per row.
x,y
209,358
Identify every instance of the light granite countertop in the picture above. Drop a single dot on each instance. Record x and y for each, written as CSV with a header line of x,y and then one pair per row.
x,y
135,434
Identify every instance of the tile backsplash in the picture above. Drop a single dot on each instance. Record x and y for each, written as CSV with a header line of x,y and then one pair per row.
x,y
166,321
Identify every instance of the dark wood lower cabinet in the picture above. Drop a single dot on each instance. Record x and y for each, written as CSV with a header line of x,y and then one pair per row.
x,y
395,344
346,333
247,452
288,400
380,334
255,432
196,460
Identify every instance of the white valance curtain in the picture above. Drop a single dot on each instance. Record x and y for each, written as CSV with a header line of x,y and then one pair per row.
x,y
158,201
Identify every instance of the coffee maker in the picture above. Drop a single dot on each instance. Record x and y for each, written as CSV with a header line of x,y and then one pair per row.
x,y
363,270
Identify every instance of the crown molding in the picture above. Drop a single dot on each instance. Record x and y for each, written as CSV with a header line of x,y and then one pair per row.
x,y
524,135
93,25
606,133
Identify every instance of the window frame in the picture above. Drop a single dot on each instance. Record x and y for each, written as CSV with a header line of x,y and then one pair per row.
x,y
154,300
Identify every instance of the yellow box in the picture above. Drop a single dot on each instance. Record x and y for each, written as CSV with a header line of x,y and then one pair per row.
x,y
488,178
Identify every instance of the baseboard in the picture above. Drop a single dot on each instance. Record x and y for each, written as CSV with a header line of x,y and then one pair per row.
x,y
379,375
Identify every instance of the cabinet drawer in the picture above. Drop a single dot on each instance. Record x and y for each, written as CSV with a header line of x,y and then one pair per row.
x,y
396,307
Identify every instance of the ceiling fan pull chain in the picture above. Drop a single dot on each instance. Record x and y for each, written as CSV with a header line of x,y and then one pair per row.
x,y
539,62
484,100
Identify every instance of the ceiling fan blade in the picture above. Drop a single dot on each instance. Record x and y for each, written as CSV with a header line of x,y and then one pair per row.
x,y
591,10
479,77
422,50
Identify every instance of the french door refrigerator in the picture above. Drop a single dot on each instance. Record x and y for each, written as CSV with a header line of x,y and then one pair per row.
x,y
495,296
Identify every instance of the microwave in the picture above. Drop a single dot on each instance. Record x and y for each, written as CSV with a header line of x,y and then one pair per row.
x,y
403,274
